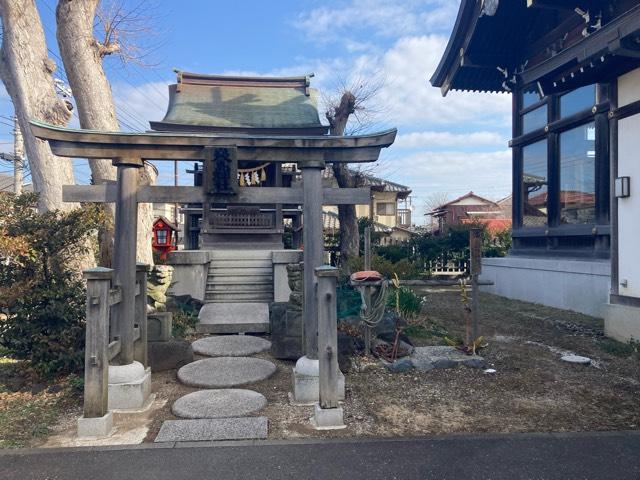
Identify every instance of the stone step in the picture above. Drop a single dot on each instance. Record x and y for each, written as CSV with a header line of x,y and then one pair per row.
x,y
213,429
233,254
240,262
223,403
225,372
248,317
229,271
230,346
240,288
241,277
239,298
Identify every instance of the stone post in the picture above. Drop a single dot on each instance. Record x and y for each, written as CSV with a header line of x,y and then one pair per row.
x,y
328,414
97,420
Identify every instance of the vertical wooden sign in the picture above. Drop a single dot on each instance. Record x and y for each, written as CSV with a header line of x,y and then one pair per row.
x,y
475,247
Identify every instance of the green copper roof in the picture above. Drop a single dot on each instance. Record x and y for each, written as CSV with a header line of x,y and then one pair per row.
x,y
215,102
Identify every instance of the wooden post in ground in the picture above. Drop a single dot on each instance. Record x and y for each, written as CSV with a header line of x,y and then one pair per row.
x,y
475,248
124,254
140,347
313,244
328,413
367,290
96,363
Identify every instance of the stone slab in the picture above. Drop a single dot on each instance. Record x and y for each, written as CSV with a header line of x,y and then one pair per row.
x,y
234,318
224,372
230,346
95,427
429,358
224,403
580,360
306,382
212,429
327,418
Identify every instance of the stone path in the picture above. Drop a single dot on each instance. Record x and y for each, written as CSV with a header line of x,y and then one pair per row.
x,y
220,412
234,318
230,346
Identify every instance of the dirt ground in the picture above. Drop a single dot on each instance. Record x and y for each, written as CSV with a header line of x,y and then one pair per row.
x,y
532,389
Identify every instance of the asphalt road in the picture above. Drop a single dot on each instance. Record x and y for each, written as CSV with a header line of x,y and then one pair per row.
x,y
614,455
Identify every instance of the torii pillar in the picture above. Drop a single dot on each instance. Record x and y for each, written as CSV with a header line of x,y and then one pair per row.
x,y
306,373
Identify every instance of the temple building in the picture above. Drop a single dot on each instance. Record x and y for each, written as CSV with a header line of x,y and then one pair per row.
x,y
217,104
573,70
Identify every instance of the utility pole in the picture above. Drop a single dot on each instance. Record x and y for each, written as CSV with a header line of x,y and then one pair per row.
x,y
18,157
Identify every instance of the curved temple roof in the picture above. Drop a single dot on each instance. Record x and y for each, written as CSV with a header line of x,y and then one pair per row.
x,y
217,103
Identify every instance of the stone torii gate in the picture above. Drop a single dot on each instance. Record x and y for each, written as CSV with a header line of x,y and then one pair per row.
x,y
220,154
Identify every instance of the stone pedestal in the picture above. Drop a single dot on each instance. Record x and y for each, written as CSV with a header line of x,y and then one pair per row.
x,y
96,427
129,387
327,418
306,382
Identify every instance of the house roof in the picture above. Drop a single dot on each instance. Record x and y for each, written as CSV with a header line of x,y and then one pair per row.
x,y
491,51
463,197
212,103
376,183
331,221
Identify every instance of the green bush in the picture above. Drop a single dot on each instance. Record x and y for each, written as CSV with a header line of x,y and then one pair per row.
x,y
41,294
183,322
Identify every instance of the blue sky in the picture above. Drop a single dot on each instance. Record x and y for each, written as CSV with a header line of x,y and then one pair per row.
x,y
445,145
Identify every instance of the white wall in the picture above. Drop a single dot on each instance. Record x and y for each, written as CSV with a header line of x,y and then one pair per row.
x,y
578,285
629,208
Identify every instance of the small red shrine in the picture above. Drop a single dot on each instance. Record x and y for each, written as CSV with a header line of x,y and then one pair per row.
x,y
165,237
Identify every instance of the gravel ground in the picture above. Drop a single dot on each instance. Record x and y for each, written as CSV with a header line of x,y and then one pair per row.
x,y
532,389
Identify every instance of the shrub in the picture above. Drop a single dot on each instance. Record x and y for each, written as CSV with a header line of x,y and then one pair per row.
x,y
183,322
41,294
406,301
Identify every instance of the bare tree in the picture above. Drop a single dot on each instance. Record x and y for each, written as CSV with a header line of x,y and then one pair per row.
x,y
79,24
435,200
352,105
27,73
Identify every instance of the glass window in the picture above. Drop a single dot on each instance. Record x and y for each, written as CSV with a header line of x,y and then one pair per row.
x,y
534,119
529,98
386,208
162,237
534,184
577,175
578,100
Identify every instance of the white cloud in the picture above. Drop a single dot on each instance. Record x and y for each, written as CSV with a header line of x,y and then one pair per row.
x,y
137,105
409,98
430,139
452,172
384,18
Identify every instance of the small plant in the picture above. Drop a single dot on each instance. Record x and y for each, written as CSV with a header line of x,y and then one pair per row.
x,y
76,383
183,322
467,346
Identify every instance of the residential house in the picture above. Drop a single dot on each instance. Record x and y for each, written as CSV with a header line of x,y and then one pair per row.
x,y
470,208
389,209
573,70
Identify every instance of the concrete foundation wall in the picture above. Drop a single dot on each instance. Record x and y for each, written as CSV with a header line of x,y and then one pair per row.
x,y
190,269
578,285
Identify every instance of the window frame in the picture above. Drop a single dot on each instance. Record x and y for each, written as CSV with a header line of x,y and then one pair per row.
x,y
556,125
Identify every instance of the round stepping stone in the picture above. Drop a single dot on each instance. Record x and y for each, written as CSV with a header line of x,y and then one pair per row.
x,y
230,346
223,372
223,403
580,360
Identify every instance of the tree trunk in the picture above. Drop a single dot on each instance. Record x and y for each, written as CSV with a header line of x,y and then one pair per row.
x,y
349,235
82,55
27,73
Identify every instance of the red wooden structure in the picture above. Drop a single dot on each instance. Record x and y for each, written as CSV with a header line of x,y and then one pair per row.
x,y
165,237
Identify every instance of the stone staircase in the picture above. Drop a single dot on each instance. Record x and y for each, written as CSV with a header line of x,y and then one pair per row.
x,y
240,276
